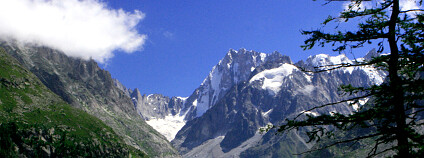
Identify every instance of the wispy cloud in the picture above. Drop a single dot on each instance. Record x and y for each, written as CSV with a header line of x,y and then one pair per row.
x,y
80,28
168,35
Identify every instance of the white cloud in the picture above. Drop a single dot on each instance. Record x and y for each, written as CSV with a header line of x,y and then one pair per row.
x,y
80,28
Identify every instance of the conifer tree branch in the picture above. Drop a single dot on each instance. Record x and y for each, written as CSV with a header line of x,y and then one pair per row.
x,y
340,142
412,10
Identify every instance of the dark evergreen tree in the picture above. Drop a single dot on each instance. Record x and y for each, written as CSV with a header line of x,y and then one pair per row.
x,y
395,115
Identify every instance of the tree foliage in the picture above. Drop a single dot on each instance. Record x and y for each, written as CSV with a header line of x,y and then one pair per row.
x,y
395,116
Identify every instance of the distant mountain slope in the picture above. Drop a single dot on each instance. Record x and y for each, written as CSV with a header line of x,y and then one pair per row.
x,y
86,86
275,90
161,112
35,122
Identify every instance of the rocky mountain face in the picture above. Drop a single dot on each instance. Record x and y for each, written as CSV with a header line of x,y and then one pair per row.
x,y
156,105
236,67
275,89
160,112
121,87
247,90
85,86
35,122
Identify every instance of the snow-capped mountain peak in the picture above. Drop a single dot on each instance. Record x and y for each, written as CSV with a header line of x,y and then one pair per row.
x,y
327,60
234,68
271,75
275,90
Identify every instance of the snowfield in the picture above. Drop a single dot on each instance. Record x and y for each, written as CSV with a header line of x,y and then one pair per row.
x,y
273,78
169,126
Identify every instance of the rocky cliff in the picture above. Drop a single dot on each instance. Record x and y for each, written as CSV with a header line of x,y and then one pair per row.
x,y
35,122
87,87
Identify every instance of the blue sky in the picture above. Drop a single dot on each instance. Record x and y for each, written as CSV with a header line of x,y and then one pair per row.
x,y
169,47
165,46
187,38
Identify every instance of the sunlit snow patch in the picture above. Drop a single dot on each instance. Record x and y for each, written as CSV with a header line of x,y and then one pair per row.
x,y
325,62
325,59
356,105
273,78
310,113
169,126
374,75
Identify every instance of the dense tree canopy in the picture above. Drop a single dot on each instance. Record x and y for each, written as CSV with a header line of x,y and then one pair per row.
x,y
394,114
